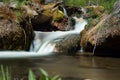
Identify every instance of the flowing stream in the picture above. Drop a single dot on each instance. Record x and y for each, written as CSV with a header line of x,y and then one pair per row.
x,y
43,43
84,67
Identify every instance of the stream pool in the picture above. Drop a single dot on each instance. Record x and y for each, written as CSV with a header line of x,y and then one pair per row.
x,y
84,67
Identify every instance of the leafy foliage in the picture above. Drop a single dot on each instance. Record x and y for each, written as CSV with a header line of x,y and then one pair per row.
x,y
43,75
5,75
106,3
20,3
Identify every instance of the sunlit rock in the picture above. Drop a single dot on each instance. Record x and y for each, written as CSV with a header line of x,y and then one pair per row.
x,y
105,36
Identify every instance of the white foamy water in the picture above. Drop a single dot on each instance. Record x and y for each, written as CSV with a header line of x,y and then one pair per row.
x,y
43,43
65,12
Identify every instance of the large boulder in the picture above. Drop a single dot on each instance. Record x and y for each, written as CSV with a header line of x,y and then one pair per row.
x,y
105,36
14,36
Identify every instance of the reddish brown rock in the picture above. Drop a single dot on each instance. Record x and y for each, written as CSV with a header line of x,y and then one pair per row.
x,y
105,36
14,35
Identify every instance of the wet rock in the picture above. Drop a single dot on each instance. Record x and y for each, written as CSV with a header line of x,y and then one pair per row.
x,y
74,11
69,44
62,24
13,36
28,33
44,22
105,36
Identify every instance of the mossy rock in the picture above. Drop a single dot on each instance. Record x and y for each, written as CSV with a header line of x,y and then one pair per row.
x,y
105,36
13,36
50,12
94,11
57,15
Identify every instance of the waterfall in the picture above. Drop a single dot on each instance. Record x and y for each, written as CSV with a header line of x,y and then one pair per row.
x,y
46,47
44,42
65,12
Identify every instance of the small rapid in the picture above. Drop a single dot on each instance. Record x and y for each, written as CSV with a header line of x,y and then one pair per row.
x,y
44,42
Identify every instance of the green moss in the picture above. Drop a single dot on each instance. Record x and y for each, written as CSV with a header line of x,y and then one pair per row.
x,y
58,15
94,11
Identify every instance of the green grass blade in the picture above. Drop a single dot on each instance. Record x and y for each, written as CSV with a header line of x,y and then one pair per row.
x,y
43,72
7,74
56,78
3,73
31,76
44,75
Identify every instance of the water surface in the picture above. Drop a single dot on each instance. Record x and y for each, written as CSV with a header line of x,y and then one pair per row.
x,y
68,67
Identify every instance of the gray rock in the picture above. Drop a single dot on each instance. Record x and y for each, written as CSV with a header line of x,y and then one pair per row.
x,y
69,44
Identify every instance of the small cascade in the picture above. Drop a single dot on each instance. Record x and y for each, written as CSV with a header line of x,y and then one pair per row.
x,y
65,12
46,47
80,24
44,42
83,10
61,7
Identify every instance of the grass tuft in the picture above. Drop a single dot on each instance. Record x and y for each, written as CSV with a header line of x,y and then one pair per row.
x,y
5,75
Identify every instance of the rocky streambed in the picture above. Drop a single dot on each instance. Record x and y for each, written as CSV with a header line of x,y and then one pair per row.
x,y
102,34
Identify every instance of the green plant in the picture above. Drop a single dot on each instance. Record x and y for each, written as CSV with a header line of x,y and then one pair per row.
x,y
5,74
31,75
43,75
20,3
106,3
